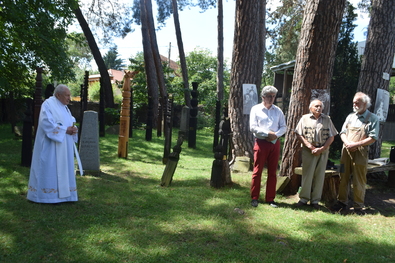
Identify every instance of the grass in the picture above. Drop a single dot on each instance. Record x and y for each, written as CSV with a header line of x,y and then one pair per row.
x,y
125,216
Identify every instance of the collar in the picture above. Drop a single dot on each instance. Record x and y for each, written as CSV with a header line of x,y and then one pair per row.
x,y
311,116
363,115
266,108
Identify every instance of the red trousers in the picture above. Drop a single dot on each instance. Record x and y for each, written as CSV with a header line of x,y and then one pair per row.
x,y
265,153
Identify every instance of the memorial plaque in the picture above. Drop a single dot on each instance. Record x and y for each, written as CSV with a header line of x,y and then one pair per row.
x,y
89,143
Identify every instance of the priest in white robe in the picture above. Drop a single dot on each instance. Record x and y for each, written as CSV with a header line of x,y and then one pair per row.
x,y
52,175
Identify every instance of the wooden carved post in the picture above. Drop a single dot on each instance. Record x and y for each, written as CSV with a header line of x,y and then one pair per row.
x,y
83,100
123,138
81,105
37,97
49,91
160,118
12,112
150,117
225,132
217,120
193,119
131,114
168,127
102,119
174,157
216,168
220,171
27,142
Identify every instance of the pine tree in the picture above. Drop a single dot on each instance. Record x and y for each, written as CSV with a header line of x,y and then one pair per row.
x,y
345,77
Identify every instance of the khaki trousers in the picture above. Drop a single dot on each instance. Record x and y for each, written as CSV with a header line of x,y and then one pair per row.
x,y
355,164
313,177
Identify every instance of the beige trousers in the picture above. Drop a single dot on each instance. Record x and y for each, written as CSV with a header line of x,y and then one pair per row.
x,y
355,166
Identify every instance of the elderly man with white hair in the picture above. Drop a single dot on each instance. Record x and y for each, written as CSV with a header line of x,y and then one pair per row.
x,y
360,129
267,123
52,177
316,132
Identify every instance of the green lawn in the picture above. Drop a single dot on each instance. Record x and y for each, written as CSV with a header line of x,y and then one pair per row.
x,y
124,215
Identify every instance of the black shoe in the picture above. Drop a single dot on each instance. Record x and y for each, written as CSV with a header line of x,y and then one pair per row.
x,y
315,206
359,211
273,204
300,204
338,207
254,202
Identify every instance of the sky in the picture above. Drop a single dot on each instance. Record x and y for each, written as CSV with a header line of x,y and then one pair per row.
x,y
199,30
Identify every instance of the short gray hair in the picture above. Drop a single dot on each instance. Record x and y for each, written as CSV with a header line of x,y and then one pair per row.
x,y
60,89
311,103
267,90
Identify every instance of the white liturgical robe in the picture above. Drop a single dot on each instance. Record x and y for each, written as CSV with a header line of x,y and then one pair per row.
x,y
52,176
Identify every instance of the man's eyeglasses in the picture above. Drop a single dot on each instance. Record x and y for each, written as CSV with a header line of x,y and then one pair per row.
x,y
270,96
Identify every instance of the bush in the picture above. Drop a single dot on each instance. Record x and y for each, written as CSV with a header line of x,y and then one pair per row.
x,y
112,116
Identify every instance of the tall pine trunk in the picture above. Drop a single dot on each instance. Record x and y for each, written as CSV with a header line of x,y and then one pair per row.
x,y
220,52
181,53
378,57
313,70
155,50
109,96
246,68
150,69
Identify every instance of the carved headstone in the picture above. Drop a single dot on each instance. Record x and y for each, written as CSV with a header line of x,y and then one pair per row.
x,y
173,157
168,128
27,140
193,120
37,98
89,143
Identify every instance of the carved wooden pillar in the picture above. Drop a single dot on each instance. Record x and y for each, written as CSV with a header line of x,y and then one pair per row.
x,y
123,139
193,118
174,157
49,91
150,117
102,118
131,114
27,142
220,171
168,127
217,121
37,97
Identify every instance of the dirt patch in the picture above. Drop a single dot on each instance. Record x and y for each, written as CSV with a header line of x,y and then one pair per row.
x,y
379,198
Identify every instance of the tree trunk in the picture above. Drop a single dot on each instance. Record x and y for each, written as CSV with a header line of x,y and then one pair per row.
x,y
262,43
378,56
313,70
109,96
155,51
151,76
220,51
182,55
246,58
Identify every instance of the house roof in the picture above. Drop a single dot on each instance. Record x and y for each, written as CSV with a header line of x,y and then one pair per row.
x,y
283,66
173,65
117,75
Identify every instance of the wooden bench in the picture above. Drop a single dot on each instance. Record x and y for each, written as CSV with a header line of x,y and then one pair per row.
x,y
332,180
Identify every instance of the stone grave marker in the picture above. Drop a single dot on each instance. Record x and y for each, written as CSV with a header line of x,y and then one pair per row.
x,y
89,143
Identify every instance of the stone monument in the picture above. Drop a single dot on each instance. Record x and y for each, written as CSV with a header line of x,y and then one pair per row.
x,y
89,143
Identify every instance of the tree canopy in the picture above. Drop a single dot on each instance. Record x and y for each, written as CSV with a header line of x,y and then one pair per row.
x,y
112,61
33,34
165,8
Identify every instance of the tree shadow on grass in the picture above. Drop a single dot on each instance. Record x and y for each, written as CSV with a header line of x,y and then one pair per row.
x,y
136,220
